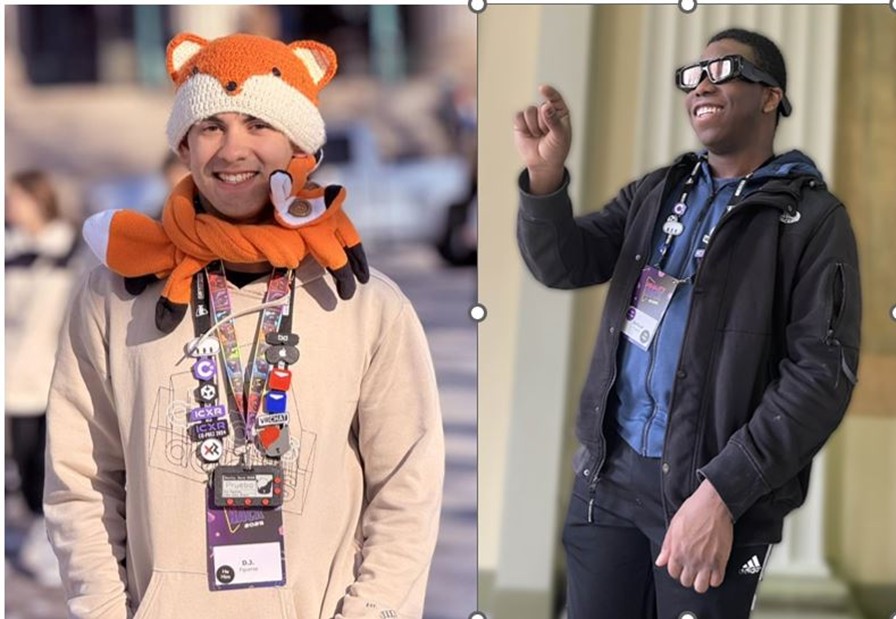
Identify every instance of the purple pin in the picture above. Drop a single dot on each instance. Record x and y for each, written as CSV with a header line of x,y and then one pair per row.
x,y
680,208
205,368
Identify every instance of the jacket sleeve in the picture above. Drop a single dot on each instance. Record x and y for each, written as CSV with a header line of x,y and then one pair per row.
x,y
562,251
84,493
402,447
800,409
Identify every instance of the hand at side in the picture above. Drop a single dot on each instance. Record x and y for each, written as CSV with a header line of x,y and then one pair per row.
x,y
698,542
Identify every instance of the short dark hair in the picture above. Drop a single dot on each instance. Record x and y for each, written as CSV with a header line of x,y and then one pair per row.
x,y
768,56
39,186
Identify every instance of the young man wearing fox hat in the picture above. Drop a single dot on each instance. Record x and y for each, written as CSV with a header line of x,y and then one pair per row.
x,y
279,452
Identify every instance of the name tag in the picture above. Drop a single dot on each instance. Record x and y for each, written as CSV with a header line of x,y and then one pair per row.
x,y
245,544
651,299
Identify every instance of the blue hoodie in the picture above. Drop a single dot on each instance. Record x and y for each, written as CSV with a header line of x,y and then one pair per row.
x,y
643,388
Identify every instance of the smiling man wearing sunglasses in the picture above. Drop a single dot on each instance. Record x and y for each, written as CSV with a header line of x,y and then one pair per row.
x,y
728,348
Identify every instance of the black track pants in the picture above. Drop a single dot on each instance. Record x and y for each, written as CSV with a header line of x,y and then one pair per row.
x,y
611,552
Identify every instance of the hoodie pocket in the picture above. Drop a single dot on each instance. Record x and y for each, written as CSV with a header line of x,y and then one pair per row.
x,y
180,594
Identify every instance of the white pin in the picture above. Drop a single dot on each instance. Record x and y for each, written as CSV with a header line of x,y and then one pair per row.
x,y
673,228
211,449
202,347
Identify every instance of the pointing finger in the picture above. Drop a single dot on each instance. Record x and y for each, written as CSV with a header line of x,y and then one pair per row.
x,y
554,98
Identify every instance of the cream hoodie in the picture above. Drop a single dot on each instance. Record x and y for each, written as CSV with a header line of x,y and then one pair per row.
x,y
125,495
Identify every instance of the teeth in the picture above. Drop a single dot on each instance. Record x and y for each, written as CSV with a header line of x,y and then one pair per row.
x,y
706,109
233,179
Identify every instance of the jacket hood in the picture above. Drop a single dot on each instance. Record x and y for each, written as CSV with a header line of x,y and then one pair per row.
x,y
793,163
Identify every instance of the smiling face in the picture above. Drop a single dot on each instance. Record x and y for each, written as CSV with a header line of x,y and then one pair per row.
x,y
230,157
732,116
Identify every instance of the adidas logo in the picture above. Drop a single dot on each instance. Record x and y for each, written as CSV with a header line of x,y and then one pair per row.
x,y
753,566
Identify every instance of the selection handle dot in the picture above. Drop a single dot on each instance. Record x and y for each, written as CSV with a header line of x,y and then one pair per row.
x,y
477,6
478,312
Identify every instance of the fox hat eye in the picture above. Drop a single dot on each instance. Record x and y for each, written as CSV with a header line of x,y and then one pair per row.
x,y
276,72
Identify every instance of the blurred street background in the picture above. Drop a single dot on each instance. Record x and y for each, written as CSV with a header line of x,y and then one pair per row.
x,y
87,99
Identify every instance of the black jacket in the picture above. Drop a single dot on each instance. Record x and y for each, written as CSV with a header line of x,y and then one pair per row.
x,y
770,351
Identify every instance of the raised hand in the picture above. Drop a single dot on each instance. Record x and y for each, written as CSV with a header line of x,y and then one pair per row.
x,y
543,135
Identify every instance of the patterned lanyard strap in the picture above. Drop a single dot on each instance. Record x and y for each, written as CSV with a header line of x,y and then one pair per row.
x,y
249,403
673,226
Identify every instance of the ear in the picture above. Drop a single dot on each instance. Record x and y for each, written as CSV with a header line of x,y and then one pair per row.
x,y
772,99
180,50
183,152
319,60
301,166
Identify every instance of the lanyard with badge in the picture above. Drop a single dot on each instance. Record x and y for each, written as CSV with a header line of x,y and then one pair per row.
x,y
244,520
655,288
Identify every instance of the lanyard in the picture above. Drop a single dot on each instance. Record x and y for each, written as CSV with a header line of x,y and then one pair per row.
x,y
247,404
673,226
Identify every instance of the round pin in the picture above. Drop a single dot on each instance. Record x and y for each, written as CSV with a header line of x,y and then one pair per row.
x,y
211,449
205,369
300,208
287,354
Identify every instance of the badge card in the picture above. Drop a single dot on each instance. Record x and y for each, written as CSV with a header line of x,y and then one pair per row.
x,y
245,546
651,298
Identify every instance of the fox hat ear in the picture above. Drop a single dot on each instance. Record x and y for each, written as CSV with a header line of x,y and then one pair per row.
x,y
180,50
319,60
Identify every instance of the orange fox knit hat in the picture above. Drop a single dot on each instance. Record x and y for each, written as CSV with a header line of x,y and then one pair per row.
x,y
252,75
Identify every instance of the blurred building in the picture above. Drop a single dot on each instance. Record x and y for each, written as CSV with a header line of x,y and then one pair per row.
x,y
87,95
615,67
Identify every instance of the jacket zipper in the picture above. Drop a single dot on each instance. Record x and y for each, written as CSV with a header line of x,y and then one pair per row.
x,y
595,476
756,201
690,252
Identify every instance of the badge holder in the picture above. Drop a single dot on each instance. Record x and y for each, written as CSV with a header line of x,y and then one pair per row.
x,y
245,543
246,486
651,299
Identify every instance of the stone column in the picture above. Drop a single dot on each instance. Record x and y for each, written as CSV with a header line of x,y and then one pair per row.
x,y
530,332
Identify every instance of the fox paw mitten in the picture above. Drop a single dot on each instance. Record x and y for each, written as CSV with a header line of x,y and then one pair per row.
x,y
279,84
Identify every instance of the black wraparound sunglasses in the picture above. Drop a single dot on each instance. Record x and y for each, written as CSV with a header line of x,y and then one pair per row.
x,y
725,69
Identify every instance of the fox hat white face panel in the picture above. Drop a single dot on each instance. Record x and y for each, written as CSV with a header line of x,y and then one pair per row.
x,y
251,75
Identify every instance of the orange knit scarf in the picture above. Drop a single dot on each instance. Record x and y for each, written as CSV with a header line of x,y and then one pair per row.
x,y
184,242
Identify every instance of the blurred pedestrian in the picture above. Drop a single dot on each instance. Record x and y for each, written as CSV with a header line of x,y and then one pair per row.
x,y
39,247
307,488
